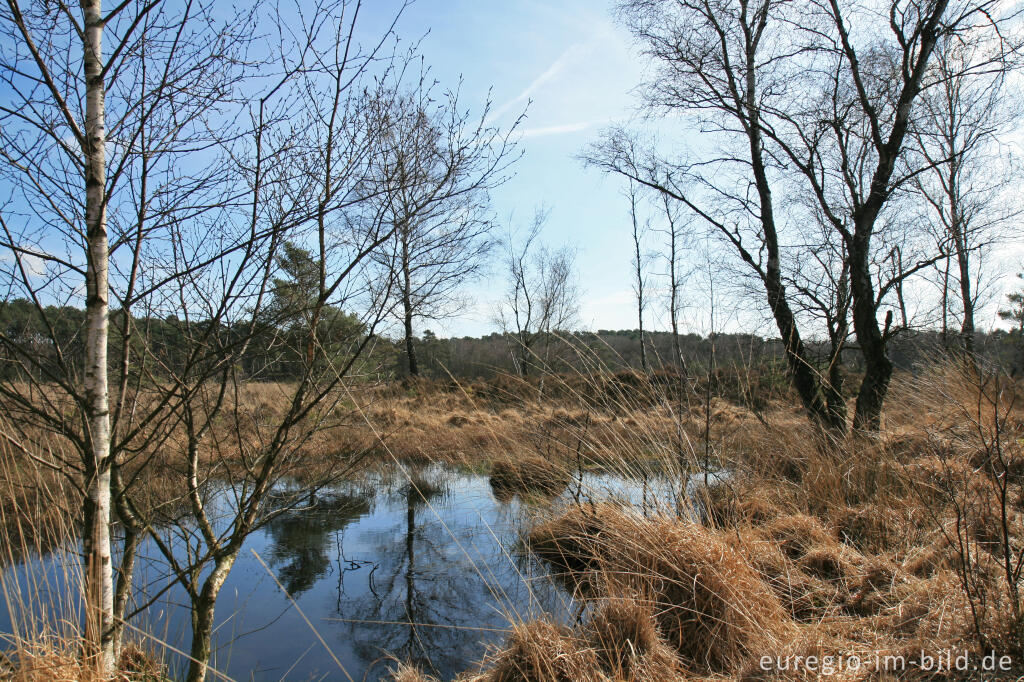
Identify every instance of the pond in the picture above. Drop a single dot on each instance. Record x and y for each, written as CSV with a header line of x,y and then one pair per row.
x,y
422,565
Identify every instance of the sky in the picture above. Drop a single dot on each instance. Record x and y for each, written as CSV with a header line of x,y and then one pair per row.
x,y
572,68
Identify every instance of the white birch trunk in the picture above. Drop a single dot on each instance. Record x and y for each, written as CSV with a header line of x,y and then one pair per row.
x,y
99,587
203,612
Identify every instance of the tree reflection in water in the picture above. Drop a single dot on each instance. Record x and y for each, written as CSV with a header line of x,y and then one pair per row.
x,y
427,570
442,579
405,597
300,537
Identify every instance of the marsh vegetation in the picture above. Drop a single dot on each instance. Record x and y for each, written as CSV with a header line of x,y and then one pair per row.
x,y
231,448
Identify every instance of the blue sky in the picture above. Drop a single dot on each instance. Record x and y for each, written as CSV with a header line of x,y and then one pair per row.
x,y
575,68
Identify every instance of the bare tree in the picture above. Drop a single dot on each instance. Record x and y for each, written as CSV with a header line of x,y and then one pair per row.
x,y
714,65
676,232
437,168
306,283
541,297
849,146
819,275
167,173
101,107
966,189
639,276
800,100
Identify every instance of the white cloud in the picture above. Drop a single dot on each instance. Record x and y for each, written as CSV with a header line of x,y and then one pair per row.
x,y
615,310
549,74
34,266
555,129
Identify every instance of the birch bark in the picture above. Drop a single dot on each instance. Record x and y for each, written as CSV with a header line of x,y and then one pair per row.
x,y
99,587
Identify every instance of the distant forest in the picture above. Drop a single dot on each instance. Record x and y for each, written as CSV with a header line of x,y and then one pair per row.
x,y
617,350
273,353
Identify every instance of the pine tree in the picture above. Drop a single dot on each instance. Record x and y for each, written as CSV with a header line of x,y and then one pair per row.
x,y
1015,315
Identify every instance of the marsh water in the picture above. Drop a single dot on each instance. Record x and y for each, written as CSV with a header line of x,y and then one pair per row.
x,y
422,565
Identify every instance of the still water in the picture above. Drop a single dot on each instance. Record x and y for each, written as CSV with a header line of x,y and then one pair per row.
x,y
424,566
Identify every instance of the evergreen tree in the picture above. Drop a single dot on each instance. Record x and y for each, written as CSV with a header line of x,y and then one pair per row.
x,y
1015,315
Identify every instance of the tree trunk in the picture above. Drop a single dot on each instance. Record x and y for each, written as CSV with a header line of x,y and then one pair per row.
x,y
133,533
871,339
410,348
639,278
122,595
839,329
675,343
99,588
643,345
203,612
835,401
801,369
525,342
673,310
674,319
966,296
945,306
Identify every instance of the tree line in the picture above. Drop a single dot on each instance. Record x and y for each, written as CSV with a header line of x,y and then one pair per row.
x,y
841,156
275,357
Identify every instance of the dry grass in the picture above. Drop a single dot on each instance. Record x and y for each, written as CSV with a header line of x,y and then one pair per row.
x,y
710,605
51,659
528,474
405,672
45,641
541,650
806,549
628,642
620,641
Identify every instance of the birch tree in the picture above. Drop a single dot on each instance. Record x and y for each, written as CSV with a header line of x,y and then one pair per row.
x,y
819,99
965,190
541,296
437,168
99,105
639,275
162,172
676,232
851,148
99,582
312,231
713,64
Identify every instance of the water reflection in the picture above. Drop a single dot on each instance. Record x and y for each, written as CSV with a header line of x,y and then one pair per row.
x,y
424,565
300,538
445,580
406,600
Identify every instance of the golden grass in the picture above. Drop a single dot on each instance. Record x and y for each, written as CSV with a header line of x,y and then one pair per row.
x,y
528,474
710,605
405,672
56,659
806,549
619,641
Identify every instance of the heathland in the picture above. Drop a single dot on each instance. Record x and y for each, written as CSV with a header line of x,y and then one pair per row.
x,y
787,554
